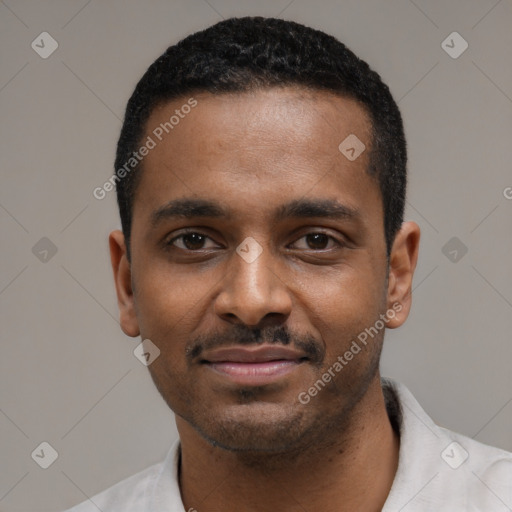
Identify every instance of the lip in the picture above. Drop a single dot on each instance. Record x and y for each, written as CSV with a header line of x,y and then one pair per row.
x,y
260,354
253,365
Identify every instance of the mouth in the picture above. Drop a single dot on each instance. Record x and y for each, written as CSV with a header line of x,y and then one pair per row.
x,y
253,365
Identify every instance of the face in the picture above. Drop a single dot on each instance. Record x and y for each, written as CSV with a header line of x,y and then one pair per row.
x,y
257,259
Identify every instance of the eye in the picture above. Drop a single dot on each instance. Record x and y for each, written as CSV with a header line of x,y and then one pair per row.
x,y
192,241
317,242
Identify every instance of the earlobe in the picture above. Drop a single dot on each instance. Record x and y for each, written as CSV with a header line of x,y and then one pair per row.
x,y
402,263
123,283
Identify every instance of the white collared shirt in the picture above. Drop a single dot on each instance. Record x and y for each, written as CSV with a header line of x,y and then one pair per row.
x,y
438,470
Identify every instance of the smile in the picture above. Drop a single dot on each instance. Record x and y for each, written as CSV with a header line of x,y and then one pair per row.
x,y
253,366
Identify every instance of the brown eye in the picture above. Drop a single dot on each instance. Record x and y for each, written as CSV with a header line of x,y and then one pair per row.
x,y
317,240
192,241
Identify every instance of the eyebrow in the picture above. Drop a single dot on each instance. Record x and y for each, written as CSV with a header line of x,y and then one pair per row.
x,y
298,208
188,208
325,208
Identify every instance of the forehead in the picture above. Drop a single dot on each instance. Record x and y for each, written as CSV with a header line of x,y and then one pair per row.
x,y
256,149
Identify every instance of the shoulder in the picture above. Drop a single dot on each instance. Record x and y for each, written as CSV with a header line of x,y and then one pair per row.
x,y
441,469
129,495
483,472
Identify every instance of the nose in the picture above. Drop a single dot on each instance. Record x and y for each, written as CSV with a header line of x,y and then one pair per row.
x,y
253,293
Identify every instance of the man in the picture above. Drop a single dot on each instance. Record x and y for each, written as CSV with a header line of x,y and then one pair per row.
x,y
261,174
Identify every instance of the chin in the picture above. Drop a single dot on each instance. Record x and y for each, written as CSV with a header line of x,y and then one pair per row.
x,y
255,428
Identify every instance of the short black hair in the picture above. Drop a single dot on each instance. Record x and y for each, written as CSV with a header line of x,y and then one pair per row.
x,y
243,54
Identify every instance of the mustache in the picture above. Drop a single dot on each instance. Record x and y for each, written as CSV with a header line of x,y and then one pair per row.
x,y
242,335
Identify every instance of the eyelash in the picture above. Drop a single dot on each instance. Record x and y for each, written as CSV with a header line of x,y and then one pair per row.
x,y
170,243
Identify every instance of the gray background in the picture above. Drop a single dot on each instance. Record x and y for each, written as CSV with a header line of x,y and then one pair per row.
x,y
68,374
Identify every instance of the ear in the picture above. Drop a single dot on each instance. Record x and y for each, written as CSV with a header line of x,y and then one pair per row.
x,y
402,263
123,282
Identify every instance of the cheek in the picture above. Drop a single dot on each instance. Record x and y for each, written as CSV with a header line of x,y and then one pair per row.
x,y
343,306
168,309
168,300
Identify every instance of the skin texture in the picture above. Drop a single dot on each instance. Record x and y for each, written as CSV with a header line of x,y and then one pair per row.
x,y
252,153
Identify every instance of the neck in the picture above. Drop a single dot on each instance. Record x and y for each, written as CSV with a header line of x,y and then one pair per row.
x,y
351,469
